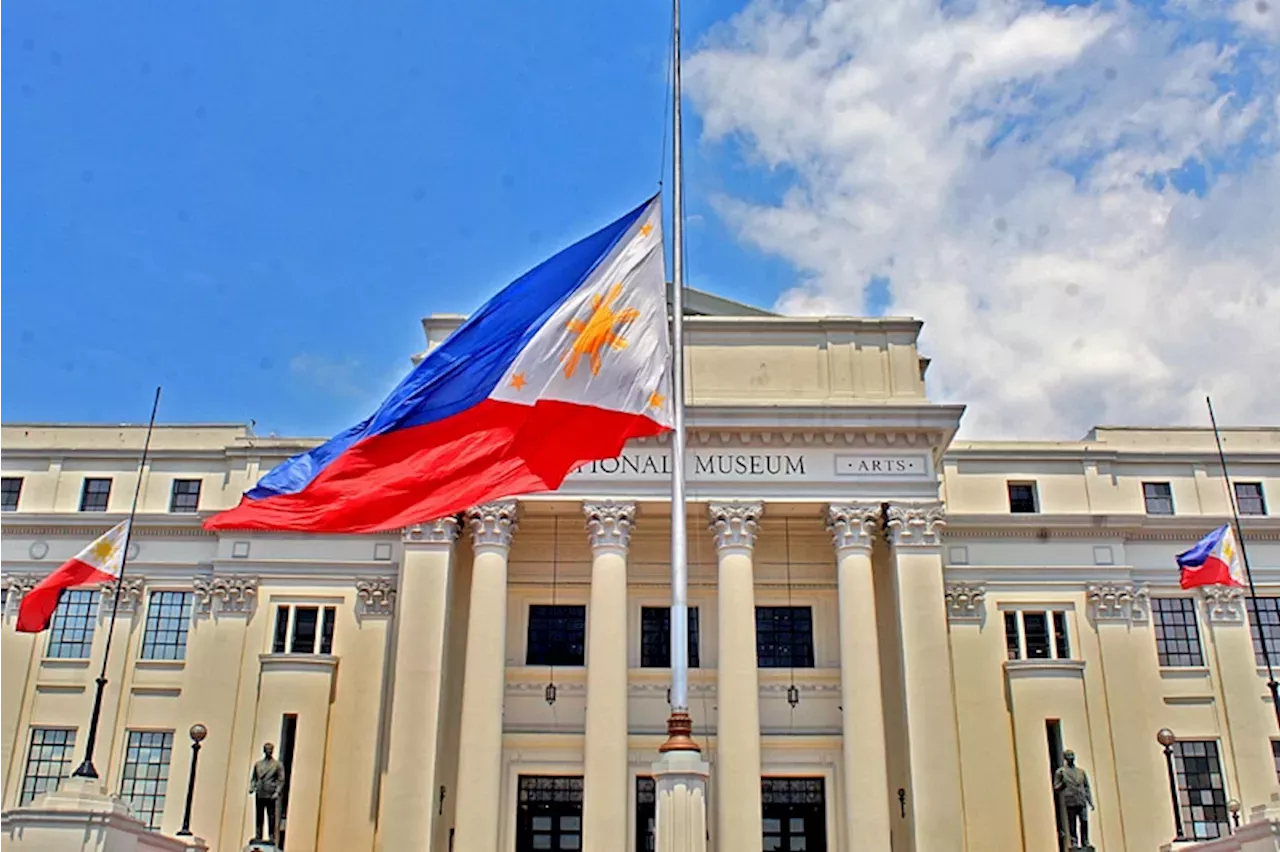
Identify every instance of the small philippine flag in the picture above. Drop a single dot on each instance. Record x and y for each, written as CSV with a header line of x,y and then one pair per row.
x,y
1214,561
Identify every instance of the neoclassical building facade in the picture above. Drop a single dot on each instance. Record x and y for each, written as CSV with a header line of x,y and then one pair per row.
x,y
895,635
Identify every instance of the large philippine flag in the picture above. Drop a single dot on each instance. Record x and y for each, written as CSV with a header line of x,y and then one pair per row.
x,y
100,562
1214,561
560,368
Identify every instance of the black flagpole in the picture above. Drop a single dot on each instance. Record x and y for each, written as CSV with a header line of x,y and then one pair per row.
x,y
1244,556
86,769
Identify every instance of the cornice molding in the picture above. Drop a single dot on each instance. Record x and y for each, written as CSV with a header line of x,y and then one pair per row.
x,y
609,524
916,524
853,526
1125,602
1115,526
735,524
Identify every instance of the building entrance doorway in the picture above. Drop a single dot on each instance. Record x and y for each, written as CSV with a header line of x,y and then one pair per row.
x,y
549,813
794,814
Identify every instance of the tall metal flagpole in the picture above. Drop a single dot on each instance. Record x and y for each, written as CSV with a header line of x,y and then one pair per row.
x,y
679,723
1244,557
86,769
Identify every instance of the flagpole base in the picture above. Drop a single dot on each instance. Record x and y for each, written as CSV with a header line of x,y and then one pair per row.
x,y
680,807
679,733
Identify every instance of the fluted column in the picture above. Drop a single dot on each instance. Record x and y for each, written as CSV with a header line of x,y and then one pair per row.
x,y
422,624
604,804
480,734
737,680
933,744
866,782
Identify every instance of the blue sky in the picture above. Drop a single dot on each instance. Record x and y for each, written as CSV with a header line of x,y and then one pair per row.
x,y
253,207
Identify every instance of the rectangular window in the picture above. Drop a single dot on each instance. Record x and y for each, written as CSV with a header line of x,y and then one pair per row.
x,y
655,637
1022,498
1177,633
10,491
1249,500
1158,497
1202,798
186,496
48,762
784,637
646,813
288,743
145,776
1275,756
71,630
298,627
95,494
168,618
1035,630
794,814
1036,635
1264,622
1060,643
557,635
549,813
1012,636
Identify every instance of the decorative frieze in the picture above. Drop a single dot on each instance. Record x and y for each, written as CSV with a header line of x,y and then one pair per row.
x,y
128,597
493,524
853,525
1223,604
916,525
229,594
609,524
735,525
965,601
442,532
376,596
1118,602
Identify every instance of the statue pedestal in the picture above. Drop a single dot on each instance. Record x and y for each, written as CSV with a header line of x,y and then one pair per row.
x,y
261,846
681,802
82,817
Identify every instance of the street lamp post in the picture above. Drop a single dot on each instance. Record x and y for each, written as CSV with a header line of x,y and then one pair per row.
x,y
1166,738
198,732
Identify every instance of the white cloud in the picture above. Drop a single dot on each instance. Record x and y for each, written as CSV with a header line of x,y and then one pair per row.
x,y
1007,165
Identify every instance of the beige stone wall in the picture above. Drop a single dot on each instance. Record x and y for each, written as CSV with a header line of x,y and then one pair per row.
x,y
1091,531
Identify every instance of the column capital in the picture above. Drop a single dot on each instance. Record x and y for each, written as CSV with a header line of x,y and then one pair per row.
x,y
916,524
1118,601
965,601
609,524
735,524
853,526
493,524
1224,604
442,532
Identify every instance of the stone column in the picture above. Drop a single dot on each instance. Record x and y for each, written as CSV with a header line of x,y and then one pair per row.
x,y
604,804
480,734
933,746
422,625
866,782
737,680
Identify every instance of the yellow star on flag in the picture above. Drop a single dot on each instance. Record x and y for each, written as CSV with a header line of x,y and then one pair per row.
x,y
656,399
518,381
646,229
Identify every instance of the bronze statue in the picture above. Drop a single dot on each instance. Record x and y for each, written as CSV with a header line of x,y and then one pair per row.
x,y
266,783
1073,784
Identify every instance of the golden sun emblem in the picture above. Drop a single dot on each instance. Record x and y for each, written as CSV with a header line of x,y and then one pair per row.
x,y
598,332
102,550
